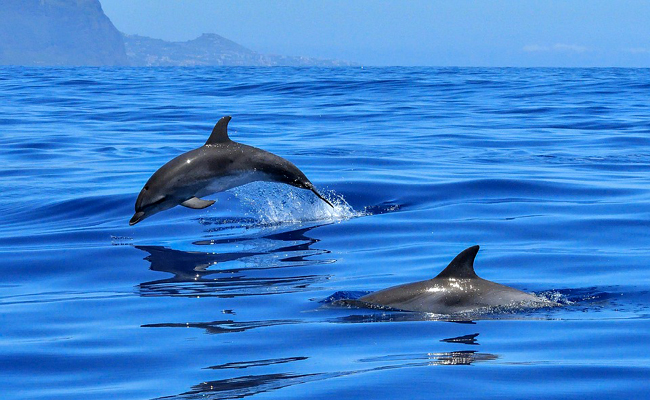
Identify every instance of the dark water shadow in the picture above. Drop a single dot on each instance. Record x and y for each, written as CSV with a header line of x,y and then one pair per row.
x,y
269,267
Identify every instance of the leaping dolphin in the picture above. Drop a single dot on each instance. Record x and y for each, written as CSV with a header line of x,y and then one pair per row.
x,y
457,289
220,164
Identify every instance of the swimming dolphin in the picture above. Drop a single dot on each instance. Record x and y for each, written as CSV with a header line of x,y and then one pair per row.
x,y
220,164
457,289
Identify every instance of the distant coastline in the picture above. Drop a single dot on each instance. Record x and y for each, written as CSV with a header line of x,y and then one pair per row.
x,y
78,33
208,49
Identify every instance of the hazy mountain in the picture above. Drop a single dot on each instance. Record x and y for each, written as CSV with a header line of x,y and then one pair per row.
x,y
58,32
77,32
207,49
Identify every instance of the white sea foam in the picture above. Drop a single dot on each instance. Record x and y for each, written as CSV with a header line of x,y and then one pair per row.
x,y
279,204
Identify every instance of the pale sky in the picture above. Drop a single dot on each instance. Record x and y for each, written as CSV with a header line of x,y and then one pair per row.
x,y
563,33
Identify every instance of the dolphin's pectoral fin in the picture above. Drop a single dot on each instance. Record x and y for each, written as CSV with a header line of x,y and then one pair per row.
x,y
197,203
219,132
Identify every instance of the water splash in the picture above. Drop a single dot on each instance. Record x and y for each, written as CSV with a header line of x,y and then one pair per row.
x,y
273,204
555,296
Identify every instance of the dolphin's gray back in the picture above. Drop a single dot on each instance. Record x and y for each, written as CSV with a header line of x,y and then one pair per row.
x,y
449,296
214,168
237,157
220,164
456,289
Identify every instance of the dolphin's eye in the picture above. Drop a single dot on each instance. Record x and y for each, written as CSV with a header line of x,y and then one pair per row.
x,y
146,188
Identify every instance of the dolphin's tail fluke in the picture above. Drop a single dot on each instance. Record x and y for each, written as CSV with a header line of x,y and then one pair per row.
x,y
313,189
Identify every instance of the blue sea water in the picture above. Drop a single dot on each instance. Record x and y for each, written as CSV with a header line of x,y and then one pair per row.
x,y
547,169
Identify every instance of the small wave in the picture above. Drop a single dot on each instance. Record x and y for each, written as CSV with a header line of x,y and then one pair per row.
x,y
556,297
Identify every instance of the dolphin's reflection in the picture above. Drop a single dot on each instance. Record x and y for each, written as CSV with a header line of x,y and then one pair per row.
x,y
399,316
244,386
249,385
260,270
264,377
465,339
463,357
229,326
257,363
224,326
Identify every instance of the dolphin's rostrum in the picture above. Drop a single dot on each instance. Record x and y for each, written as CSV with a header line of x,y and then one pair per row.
x,y
219,165
457,289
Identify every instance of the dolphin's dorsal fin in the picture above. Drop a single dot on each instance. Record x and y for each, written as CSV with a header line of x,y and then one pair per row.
x,y
220,132
461,267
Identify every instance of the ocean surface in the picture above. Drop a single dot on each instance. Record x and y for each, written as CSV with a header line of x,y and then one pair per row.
x,y
548,170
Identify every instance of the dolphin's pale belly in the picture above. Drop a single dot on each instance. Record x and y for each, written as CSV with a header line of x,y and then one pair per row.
x,y
226,182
